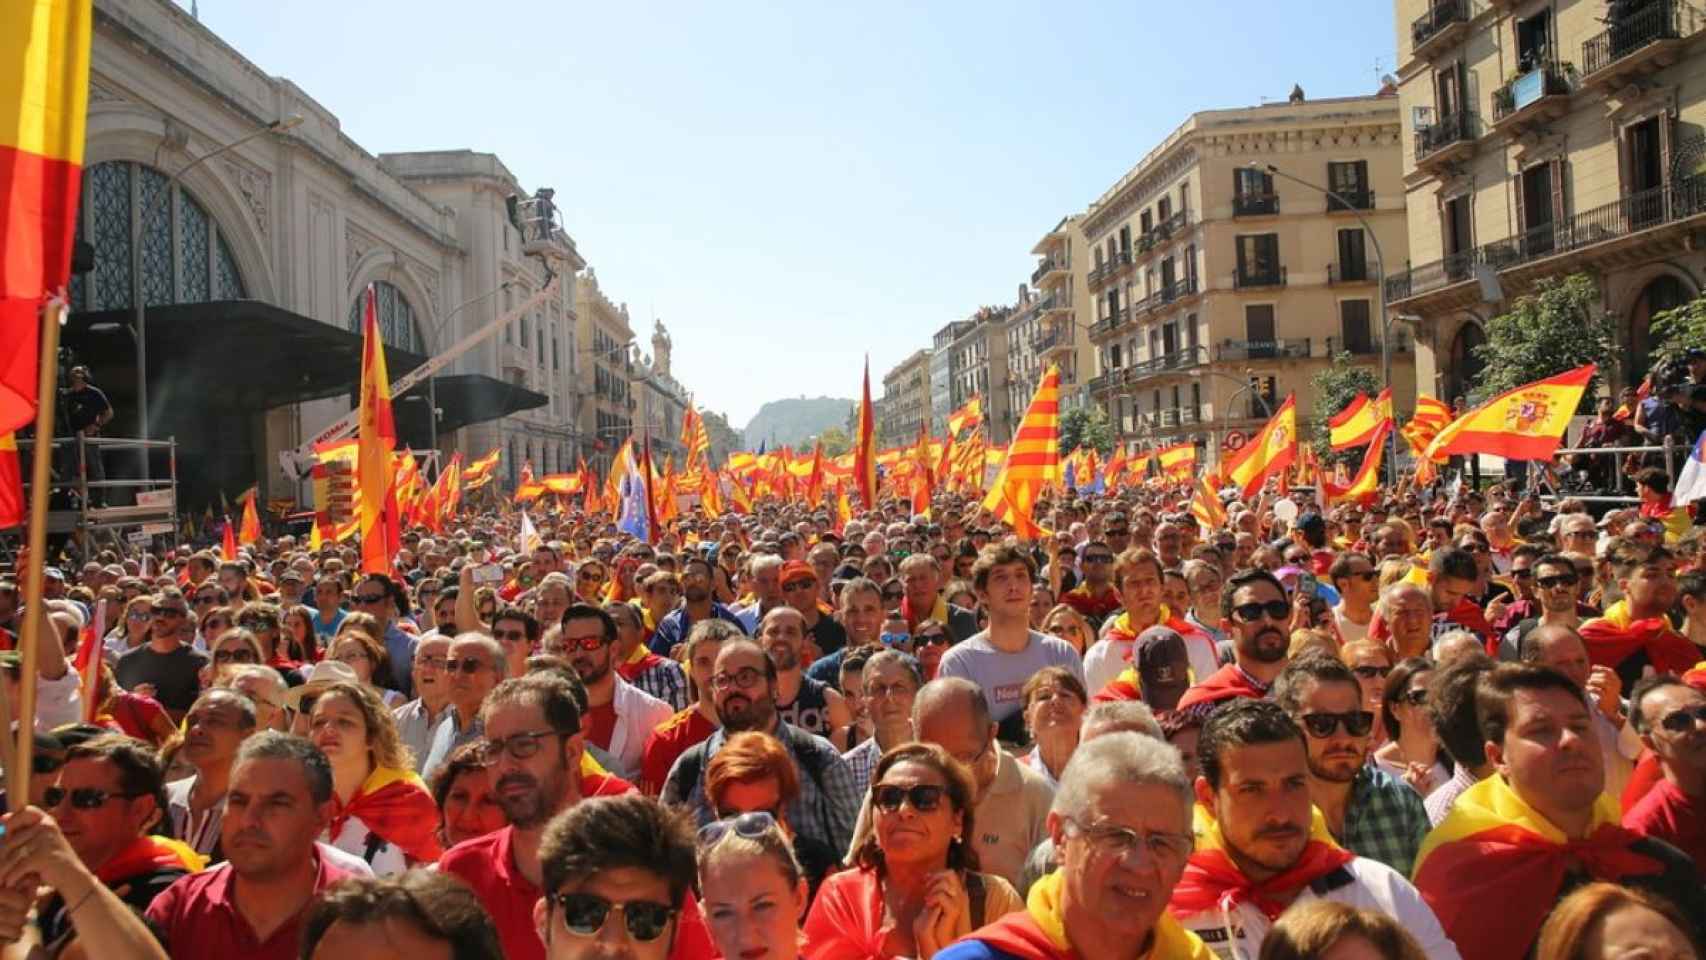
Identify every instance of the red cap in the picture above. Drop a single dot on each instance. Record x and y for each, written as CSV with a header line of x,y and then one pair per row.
x,y
797,570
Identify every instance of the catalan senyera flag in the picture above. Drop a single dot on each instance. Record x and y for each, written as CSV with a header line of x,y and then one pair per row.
x,y
381,529
1179,461
1527,423
1366,484
1271,450
711,495
694,438
1032,463
1355,425
969,415
1430,418
44,105
1206,507
250,531
13,508
865,446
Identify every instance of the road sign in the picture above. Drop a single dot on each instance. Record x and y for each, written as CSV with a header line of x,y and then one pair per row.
x,y
137,536
153,529
1235,439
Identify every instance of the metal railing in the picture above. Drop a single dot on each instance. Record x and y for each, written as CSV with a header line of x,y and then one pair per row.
x,y
1364,346
1546,80
1181,359
1178,289
1242,279
1285,348
1358,200
1162,232
1447,130
1638,211
1048,265
88,508
1441,15
1255,204
1669,453
1658,20
1349,273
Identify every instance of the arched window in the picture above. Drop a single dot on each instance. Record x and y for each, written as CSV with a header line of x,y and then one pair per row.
x,y
1663,293
397,325
185,258
1465,370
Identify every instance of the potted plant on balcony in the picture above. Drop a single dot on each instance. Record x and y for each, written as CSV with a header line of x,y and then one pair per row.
x,y
1504,98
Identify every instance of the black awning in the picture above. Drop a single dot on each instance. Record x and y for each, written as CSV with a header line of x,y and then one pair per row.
x,y
469,398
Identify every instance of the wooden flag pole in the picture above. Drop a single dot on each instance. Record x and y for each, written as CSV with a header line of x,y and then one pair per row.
x,y
47,383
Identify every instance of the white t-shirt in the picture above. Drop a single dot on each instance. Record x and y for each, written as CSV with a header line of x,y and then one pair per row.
x,y
1349,630
1002,675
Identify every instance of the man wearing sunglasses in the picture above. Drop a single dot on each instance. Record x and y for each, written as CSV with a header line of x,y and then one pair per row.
x,y
169,667
1358,583
801,593
378,594
420,717
1257,617
1368,812
620,714
473,667
1671,718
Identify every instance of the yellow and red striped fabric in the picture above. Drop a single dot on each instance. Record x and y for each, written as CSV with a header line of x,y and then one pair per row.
x,y
1178,461
1033,460
1366,484
1355,425
381,531
12,508
481,468
1526,423
694,437
969,415
1430,418
865,446
44,103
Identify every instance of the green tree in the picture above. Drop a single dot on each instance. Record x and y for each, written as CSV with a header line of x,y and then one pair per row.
x,y
835,442
1558,327
1086,426
1674,331
1334,388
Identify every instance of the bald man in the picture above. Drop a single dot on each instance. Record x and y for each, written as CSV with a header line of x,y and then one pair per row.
x,y
811,705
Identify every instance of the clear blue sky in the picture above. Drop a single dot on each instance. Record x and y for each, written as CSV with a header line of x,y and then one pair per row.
x,y
791,185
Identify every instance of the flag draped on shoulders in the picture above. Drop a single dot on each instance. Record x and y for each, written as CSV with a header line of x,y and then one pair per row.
x,y
1213,882
396,805
1616,636
1039,932
1032,460
1493,868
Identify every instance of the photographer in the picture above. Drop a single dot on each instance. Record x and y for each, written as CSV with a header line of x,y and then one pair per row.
x,y
87,409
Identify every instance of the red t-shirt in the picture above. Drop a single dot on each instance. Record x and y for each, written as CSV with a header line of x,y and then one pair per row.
x,y
1668,814
603,725
486,865
198,918
667,743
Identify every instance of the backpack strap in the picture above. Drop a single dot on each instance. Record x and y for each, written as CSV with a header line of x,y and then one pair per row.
x,y
975,895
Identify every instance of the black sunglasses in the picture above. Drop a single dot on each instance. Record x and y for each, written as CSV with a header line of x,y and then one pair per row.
x,y
1678,721
1367,672
239,655
469,665
1357,723
924,797
1251,612
1554,582
366,598
43,764
82,798
584,915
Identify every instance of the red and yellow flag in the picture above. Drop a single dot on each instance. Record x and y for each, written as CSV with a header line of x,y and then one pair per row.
x,y
711,495
381,531
923,485
1116,468
1271,450
1366,484
1032,463
44,103
694,438
865,446
969,415
1430,418
450,498
814,479
843,509
482,468
1206,507
1355,425
738,493
13,508
1522,424
1179,461
250,531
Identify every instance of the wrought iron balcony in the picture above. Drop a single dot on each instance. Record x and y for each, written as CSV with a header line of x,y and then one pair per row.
x,y
1188,416
1444,23
1182,359
1177,290
1283,349
1446,140
1047,266
1353,200
1249,278
1365,346
1637,43
1255,204
1540,94
1348,273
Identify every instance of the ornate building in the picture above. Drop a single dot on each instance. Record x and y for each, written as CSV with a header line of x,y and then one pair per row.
x,y
662,400
607,351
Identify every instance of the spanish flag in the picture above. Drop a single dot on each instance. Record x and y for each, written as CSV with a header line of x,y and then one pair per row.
x,y
1116,468
381,533
1270,451
1039,932
1522,424
13,508
396,806
1355,425
592,503
44,102
483,466
865,446
711,494
250,531
1493,869
1212,881
1033,460
1179,461
1366,484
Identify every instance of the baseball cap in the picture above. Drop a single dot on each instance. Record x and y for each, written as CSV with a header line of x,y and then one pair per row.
x,y
797,570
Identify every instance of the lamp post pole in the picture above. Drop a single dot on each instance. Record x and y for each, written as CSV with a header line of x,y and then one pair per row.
x,y
139,299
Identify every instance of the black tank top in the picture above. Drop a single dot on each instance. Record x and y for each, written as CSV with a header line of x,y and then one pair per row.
x,y
809,711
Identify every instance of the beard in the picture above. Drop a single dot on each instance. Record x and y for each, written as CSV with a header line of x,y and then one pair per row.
x,y
696,594
783,656
739,713
1268,646
590,671
1337,768
531,808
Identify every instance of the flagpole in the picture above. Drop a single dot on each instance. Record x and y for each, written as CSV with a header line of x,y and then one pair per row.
x,y
35,614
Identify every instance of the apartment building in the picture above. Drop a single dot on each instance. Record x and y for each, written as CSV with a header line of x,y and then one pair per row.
x,y
979,366
1221,276
906,402
607,343
1544,138
1061,322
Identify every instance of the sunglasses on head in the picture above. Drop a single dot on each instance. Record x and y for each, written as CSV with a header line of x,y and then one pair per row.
x,y
1273,609
584,915
1357,723
1679,721
924,797
750,825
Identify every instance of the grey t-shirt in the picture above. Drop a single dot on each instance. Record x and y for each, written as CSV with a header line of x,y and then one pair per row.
x,y
1002,675
174,675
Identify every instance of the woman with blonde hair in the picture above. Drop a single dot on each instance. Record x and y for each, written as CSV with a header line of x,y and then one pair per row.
x,y
1053,703
1601,921
1372,663
753,892
1069,625
358,649
1327,930
382,812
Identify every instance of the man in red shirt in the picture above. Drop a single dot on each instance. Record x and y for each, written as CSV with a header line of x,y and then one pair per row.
x,y
534,727
1671,719
693,725
252,906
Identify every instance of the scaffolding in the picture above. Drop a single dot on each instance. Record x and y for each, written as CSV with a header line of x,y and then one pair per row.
x,y
130,515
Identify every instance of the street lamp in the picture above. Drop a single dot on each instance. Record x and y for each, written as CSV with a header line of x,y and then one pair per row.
x,y
1380,279
139,298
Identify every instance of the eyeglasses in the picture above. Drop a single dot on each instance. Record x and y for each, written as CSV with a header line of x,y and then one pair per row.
x,y
797,586
430,663
893,594
1526,573
1679,721
895,639
924,797
469,665
1367,576
1118,531
1581,535
257,623
930,639
972,760
1559,580
584,915
352,656
1473,547
82,798
239,655
750,825
367,598
1273,609
587,644
172,613
1357,723
140,616
877,691
745,678
1415,696
590,575
1120,842
1370,672
520,746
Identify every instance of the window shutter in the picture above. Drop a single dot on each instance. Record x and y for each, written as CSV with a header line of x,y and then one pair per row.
x,y
1558,212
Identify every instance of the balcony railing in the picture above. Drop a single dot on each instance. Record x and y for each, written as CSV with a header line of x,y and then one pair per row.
x,y
1188,416
1283,349
1182,359
1364,346
1658,21
1353,200
1182,287
1049,265
1169,418
1255,204
1620,218
1347,273
1164,231
1443,15
1248,278
1110,266
1513,99
1445,132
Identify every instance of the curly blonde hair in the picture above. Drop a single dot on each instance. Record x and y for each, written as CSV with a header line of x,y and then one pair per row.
x,y
384,744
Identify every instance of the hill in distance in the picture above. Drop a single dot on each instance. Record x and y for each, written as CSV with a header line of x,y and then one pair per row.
x,y
795,420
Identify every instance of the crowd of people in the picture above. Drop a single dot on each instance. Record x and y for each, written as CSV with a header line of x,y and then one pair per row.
x,y
1445,726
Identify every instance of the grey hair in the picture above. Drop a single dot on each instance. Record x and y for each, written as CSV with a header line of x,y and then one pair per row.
x,y
273,745
1394,591
487,644
909,666
1119,716
261,670
765,561
1125,758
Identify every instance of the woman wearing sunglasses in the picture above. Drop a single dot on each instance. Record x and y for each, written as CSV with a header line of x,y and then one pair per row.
x,y
382,812
138,620
754,890
1069,625
917,887
1413,752
928,645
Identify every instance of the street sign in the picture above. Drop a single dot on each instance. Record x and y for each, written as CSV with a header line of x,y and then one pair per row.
x,y
153,529
1235,439
137,536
